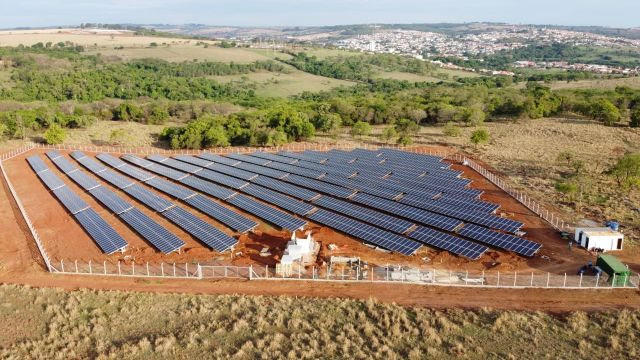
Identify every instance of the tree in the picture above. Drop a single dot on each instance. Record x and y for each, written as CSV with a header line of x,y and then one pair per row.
x,y
55,134
406,129
567,156
128,112
361,128
627,170
158,114
295,124
389,133
328,123
605,111
480,136
635,117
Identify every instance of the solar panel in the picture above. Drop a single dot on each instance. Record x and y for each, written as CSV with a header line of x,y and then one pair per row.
x,y
50,179
148,198
286,188
219,212
176,164
274,157
232,171
194,160
509,242
223,179
62,163
373,217
167,172
37,164
136,173
262,170
177,191
280,200
369,189
90,163
200,229
110,160
218,159
109,199
293,169
476,217
100,231
409,212
476,205
365,232
161,238
138,161
84,180
334,169
448,242
116,180
71,201
337,191
267,213
208,187
317,158
249,159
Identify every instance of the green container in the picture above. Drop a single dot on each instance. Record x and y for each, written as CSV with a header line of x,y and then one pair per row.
x,y
619,274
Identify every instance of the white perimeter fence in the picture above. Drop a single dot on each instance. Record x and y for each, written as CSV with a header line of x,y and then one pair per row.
x,y
387,274
378,274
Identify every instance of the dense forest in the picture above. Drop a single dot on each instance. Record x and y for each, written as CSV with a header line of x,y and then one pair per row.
x,y
81,90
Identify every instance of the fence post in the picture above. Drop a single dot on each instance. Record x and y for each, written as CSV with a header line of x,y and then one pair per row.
x,y
133,268
90,271
387,272
597,279
162,268
62,265
580,285
564,284
147,268
104,267
266,271
250,272
174,269
613,281
498,281
119,272
548,279
531,279
186,270
299,270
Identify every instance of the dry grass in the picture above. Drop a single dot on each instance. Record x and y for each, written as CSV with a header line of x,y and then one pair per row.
x,y
183,52
597,84
49,323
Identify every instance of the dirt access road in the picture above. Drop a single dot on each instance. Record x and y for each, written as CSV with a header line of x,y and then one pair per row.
x,y
20,263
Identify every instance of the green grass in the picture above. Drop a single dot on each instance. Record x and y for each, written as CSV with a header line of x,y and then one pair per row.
x,y
49,323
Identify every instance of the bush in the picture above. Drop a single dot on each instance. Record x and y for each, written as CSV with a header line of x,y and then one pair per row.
x,y
451,129
635,117
389,133
566,187
480,136
128,112
627,170
605,111
361,128
55,135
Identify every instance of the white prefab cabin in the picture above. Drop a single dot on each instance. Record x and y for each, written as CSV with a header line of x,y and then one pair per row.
x,y
599,238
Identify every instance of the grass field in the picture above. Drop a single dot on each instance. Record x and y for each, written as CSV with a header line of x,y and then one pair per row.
x,y
185,52
285,84
50,323
598,84
76,36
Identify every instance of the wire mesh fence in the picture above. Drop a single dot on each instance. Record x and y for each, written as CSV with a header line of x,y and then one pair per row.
x,y
378,274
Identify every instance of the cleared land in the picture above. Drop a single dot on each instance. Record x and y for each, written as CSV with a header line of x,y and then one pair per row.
x,y
183,52
85,324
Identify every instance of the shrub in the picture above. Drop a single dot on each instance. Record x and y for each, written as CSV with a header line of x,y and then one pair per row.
x,y
451,129
55,134
635,117
389,133
128,112
480,136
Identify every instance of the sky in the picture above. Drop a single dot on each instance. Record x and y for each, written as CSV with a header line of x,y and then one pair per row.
x,y
40,13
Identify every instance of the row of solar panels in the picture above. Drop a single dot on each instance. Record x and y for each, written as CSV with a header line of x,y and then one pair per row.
x,y
304,194
103,234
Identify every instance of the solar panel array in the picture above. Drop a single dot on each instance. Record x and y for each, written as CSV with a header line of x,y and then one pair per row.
x,y
513,243
161,238
202,231
99,230
417,187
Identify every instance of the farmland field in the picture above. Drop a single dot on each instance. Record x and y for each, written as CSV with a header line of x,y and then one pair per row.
x,y
50,323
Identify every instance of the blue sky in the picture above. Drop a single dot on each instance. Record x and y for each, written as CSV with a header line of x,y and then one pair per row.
x,y
22,13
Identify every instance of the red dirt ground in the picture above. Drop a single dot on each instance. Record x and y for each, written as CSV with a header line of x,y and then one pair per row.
x,y
20,262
